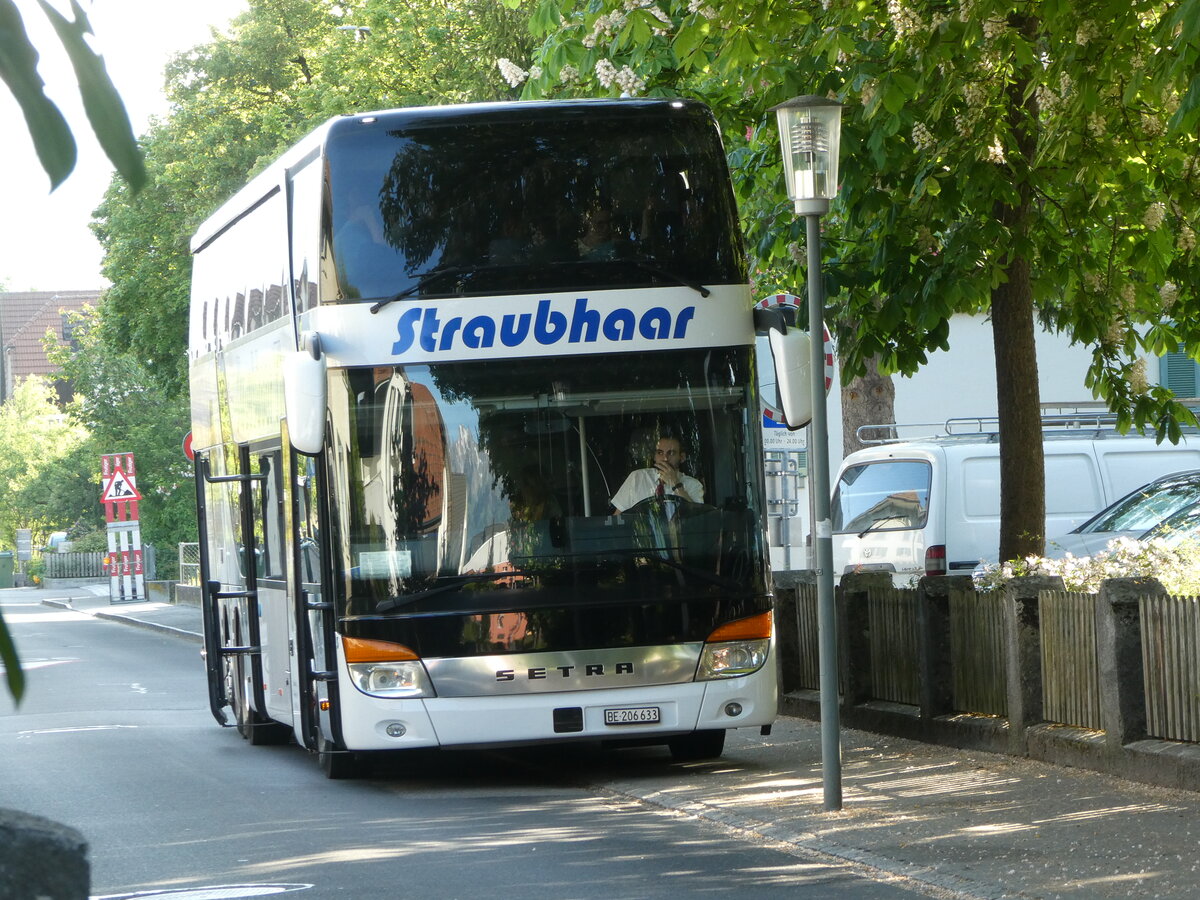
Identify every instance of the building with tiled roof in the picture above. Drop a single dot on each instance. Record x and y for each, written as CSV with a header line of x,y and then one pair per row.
x,y
25,317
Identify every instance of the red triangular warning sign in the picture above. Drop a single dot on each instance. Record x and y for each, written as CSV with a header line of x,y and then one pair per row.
x,y
119,487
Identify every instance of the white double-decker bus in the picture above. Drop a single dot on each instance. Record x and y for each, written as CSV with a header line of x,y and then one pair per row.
x,y
427,347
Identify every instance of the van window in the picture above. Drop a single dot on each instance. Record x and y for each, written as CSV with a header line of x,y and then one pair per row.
x,y
889,495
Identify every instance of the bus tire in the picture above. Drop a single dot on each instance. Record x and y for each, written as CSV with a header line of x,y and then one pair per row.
x,y
266,732
697,745
335,763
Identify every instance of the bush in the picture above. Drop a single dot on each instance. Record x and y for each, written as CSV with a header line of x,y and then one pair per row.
x,y
1176,566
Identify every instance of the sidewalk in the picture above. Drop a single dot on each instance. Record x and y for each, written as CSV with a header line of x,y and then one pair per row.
x,y
945,822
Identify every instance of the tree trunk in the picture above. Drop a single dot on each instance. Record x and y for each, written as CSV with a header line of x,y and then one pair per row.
x,y
1018,402
1018,405
869,399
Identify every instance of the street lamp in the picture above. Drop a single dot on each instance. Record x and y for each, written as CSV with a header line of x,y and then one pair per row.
x,y
810,132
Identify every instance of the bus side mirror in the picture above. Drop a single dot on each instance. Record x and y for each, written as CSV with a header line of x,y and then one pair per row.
x,y
793,375
304,394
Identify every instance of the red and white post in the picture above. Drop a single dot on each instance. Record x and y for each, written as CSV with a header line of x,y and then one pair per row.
x,y
120,497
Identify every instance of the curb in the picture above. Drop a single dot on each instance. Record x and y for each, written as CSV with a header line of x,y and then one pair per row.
x,y
124,619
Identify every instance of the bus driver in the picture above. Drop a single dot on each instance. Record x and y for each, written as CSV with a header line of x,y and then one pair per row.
x,y
664,478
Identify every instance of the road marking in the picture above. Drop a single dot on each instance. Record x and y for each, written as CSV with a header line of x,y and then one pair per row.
x,y
215,892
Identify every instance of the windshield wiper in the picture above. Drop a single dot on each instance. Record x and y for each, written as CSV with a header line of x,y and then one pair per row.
x,y
448,585
650,265
422,280
877,523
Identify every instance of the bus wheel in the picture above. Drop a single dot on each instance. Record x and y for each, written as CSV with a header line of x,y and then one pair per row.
x,y
697,745
267,732
336,764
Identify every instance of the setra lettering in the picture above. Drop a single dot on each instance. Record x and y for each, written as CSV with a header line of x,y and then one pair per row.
x,y
422,327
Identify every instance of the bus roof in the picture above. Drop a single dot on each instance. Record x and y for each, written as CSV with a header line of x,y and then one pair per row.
x,y
269,180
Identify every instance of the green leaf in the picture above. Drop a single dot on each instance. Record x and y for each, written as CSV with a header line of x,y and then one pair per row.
x,y
18,68
12,664
101,101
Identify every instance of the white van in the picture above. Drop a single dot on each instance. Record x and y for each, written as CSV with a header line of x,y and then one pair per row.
x,y
933,506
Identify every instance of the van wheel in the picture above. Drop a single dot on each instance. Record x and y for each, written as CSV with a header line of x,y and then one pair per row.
x,y
336,763
697,745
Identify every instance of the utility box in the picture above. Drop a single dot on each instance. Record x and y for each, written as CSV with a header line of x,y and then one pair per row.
x,y
6,569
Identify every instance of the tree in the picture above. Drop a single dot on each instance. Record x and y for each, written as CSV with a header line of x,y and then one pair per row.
x,y
240,100
118,405
998,158
36,443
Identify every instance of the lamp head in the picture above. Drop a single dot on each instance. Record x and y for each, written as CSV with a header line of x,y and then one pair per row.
x,y
810,133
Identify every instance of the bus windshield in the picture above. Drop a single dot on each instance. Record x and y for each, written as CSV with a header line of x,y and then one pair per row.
x,y
492,205
489,485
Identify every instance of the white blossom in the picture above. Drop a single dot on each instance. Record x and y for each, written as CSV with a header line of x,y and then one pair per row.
x,y
511,72
1138,381
995,152
1187,239
1155,214
568,75
922,137
1086,33
1092,282
629,82
606,72
1176,566
905,21
662,17
994,28
1168,293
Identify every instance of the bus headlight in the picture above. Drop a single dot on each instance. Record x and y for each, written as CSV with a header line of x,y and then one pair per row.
x,y
736,648
729,660
384,669
396,679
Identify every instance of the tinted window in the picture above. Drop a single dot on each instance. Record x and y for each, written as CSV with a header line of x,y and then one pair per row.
x,y
491,484
500,204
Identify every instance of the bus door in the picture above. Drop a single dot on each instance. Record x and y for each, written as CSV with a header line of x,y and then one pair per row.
x,y
312,623
275,621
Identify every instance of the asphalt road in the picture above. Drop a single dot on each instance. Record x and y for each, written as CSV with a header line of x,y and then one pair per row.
x,y
114,738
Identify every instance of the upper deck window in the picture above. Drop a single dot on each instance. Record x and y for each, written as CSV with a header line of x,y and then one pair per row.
x,y
497,204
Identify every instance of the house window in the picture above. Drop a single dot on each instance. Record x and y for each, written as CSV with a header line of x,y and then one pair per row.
x,y
1180,373
68,332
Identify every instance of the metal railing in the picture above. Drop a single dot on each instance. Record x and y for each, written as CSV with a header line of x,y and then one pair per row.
x,y
189,564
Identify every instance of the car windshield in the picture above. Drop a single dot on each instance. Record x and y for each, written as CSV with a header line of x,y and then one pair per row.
x,y
1182,525
882,496
1147,506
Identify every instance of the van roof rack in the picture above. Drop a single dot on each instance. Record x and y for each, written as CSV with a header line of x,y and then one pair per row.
x,y
1058,420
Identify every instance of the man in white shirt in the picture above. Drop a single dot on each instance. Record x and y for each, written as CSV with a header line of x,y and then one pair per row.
x,y
663,479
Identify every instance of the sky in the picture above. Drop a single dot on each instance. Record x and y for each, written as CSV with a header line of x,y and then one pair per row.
x,y
45,242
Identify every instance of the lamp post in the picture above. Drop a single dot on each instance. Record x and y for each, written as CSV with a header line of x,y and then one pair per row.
x,y
810,131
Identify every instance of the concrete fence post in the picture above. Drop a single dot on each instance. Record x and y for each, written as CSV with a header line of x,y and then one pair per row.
x,y
1119,657
936,678
1023,645
854,634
